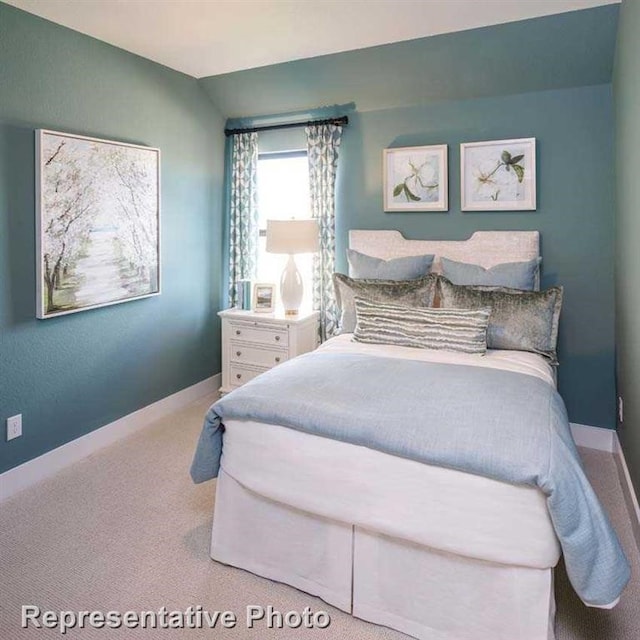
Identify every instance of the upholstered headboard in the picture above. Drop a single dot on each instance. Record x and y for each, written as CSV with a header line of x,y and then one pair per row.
x,y
486,248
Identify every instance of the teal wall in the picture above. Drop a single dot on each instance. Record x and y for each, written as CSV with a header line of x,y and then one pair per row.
x,y
72,374
627,123
575,213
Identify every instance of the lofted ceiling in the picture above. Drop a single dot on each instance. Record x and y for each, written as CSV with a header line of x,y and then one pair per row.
x,y
211,37
573,49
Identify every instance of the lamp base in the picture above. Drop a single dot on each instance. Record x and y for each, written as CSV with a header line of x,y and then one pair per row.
x,y
291,288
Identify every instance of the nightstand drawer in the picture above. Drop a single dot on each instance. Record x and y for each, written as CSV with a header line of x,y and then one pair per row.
x,y
267,337
241,374
244,354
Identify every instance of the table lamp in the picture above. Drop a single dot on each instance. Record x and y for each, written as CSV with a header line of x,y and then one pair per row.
x,y
292,237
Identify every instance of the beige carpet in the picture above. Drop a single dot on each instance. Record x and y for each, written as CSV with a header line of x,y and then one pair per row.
x,y
127,530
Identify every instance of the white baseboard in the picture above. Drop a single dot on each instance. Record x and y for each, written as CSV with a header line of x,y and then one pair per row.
x,y
607,440
46,465
628,490
594,437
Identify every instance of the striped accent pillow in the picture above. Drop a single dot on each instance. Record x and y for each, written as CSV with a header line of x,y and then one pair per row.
x,y
463,330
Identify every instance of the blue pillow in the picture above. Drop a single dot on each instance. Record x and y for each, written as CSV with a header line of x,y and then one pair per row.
x,y
515,275
363,267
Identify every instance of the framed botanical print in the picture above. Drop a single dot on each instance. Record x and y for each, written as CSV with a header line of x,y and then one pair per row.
x,y
415,178
499,175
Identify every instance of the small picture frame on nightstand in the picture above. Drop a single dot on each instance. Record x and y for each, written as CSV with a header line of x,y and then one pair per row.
x,y
264,297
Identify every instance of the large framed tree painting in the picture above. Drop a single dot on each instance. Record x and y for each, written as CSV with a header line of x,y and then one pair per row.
x,y
97,222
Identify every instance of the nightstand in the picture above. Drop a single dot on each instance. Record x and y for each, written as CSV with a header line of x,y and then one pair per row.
x,y
255,342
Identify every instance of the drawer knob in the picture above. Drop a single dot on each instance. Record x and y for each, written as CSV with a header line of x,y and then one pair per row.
x,y
277,338
238,375
238,353
278,359
238,332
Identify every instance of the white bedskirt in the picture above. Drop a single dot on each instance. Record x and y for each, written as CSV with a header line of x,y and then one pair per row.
x,y
429,594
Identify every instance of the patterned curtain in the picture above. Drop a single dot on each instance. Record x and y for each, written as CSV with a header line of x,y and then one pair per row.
x,y
323,142
243,214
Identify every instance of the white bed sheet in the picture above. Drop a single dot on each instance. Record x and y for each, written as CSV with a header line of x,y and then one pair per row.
x,y
517,361
352,484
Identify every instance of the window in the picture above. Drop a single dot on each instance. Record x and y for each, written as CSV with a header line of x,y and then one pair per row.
x,y
283,193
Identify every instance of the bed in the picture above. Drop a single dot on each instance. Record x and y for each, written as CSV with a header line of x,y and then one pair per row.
x,y
393,540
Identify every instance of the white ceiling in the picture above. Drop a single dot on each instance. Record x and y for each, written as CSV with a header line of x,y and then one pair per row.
x,y
209,37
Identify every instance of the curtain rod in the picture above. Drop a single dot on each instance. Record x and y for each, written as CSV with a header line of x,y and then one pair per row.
x,y
342,121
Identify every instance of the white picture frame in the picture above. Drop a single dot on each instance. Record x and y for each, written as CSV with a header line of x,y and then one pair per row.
x,y
416,178
264,297
97,223
498,175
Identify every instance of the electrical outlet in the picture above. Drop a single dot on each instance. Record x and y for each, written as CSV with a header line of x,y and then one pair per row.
x,y
14,427
620,409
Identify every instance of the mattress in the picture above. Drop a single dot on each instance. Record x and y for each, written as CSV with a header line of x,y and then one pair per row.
x,y
444,509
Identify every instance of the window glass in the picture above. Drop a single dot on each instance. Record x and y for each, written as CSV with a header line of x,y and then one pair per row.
x,y
283,193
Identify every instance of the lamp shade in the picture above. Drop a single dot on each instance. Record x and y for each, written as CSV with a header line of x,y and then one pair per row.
x,y
292,236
